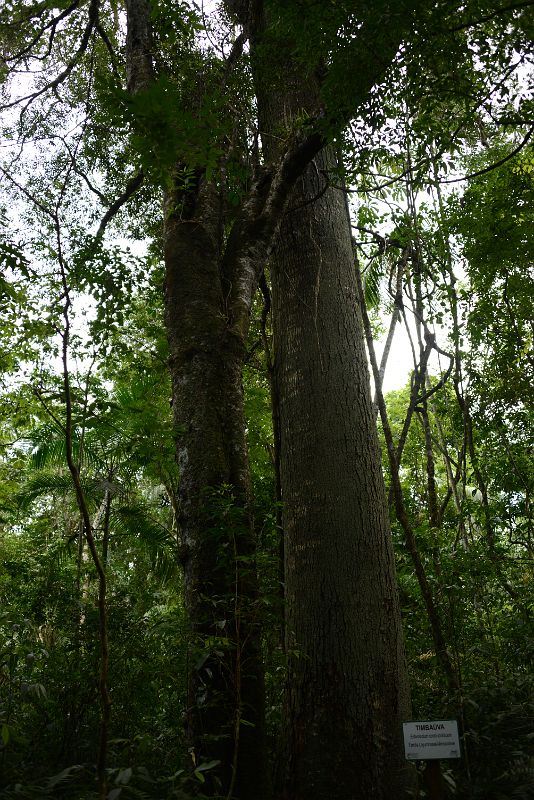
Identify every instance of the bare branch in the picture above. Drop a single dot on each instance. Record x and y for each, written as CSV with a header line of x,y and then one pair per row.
x,y
395,317
131,187
105,38
432,609
233,57
55,419
105,700
102,197
28,194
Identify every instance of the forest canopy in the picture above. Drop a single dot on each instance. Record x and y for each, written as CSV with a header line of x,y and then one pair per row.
x,y
232,566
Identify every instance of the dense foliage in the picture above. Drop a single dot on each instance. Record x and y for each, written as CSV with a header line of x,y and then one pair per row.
x,y
84,374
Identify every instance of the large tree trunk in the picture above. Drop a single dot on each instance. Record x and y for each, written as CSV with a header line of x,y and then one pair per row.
x,y
347,689
225,693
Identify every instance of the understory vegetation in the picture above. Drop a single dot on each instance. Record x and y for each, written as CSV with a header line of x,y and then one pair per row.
x,y
103,676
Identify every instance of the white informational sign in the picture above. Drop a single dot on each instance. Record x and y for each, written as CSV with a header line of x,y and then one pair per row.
x,y
429,739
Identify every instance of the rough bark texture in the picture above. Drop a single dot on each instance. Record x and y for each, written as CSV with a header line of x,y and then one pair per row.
x,y
139,67
225,692
347,690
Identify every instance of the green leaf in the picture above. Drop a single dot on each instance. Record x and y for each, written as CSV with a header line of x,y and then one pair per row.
x,y
124,776
206,765
63,776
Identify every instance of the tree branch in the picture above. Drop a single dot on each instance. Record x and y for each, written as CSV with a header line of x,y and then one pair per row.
x,y
434,619
29,196
497,164
131,187
51,24
105,38
497,13
93,17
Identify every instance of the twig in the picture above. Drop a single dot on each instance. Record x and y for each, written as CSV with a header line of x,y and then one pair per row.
x,y
28,194
51,24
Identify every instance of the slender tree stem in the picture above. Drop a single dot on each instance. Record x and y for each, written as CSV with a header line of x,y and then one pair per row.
x,y
105,701
442,652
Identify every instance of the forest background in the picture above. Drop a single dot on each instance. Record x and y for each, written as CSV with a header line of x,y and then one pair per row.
x,y
198,594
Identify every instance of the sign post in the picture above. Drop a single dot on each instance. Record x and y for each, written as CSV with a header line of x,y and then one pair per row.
x,y
431,741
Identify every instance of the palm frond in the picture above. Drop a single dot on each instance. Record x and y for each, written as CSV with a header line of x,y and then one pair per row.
x,y
58,484
135,522
41,484
49,448
372,279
